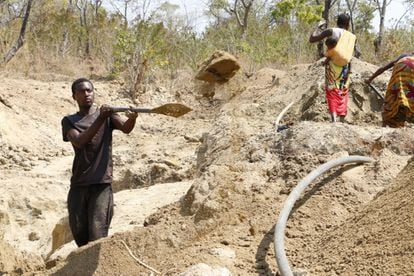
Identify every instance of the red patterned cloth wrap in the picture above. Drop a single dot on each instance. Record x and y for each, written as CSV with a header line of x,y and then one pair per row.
x,y
337,100
399,98
336,87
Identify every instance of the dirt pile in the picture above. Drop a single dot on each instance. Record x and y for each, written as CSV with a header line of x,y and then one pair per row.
x,y
241,171
376,240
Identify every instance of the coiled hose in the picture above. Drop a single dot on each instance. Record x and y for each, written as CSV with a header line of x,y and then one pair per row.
x,y
294,195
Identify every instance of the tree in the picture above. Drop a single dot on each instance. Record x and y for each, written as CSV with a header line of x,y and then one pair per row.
x,y
325,16
132,10
65,40
239,9
303,11
167,14
381,7
124,12
218,9
82,6
351,8
87,19
363,16
20,40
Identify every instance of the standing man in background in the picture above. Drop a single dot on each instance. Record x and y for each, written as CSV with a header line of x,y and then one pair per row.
x,y
90,198
340,45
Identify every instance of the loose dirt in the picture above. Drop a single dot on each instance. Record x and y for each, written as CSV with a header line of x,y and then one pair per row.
x,y
202,192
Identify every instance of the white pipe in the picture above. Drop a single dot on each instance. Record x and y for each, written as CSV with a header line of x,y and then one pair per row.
x,y
294,195
279,117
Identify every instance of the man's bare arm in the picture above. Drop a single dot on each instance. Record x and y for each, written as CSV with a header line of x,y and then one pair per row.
x,y
80,139
318,35
126,126
381,70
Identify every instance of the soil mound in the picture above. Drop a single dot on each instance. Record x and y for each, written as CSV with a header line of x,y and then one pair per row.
x,y
378,240
240,170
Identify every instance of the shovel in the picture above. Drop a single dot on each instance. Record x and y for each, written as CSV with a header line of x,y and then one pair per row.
x,y
376,91
170,109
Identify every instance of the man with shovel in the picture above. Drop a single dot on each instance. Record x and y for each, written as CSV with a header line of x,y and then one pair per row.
x,y
90,198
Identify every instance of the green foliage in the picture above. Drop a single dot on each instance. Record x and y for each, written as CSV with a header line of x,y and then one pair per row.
x,y
122,51
263,45
47,25
219,4
363,17
154,43
164,41
302,10
216,7
397,42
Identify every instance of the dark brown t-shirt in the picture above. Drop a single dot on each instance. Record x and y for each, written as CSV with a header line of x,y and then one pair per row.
x,y
92,163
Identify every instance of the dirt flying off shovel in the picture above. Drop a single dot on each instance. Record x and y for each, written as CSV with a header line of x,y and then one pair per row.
x,y
170,109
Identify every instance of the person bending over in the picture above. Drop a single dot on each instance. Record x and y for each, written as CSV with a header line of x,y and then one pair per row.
x,y
399,98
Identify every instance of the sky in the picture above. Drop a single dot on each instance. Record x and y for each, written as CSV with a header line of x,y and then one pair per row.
x,y
193,11
393,13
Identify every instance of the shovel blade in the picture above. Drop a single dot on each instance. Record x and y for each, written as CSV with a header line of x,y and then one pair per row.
x,y
172,109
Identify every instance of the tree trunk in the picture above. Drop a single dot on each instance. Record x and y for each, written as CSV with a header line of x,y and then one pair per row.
x,y
325,16
142,69
20,41
380,37
65,37
84,38
351,8
126,15
247,5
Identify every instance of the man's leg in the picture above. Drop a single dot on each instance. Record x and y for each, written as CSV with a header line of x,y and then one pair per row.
x,y
100,211
78,219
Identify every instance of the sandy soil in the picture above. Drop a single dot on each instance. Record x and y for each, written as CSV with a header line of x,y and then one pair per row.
x,y
201,193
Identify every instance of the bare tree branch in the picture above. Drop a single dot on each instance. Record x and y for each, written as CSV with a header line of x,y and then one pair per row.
x,y
409,9
237,14
382,12
325,15
20,40
246,7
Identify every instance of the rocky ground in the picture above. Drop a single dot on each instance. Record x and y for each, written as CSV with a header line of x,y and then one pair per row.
x,y
202,193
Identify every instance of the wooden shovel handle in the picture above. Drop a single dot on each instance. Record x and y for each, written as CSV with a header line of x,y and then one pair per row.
x,y
376,91
133,109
